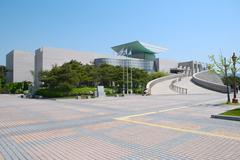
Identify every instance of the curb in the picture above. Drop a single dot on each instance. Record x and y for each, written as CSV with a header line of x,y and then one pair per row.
x,y
233,118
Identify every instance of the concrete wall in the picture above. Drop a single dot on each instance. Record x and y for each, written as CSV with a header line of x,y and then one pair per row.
x,y
38,66
9,67
165,65
46,58
208,83
19,64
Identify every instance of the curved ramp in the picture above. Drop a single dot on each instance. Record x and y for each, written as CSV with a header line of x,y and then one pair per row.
x,y
162,88
191,87
161,85
209,81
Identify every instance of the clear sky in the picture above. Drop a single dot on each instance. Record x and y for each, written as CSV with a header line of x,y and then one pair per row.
x,y
190,29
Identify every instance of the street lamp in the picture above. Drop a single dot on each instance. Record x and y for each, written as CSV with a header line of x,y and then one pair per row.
x,y
123,86
226,77
234,59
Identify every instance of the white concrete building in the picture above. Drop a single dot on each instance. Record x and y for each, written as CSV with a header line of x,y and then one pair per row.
x,y
20,66
45,58
25,66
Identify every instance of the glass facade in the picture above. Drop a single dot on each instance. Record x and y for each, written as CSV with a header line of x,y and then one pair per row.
x,y
139,55
142,55
130,62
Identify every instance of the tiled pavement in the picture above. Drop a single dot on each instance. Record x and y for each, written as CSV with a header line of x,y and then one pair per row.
x,y
135,127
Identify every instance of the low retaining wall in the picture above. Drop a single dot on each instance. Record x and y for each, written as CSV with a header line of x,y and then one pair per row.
x,y
233,118
207,84
158,80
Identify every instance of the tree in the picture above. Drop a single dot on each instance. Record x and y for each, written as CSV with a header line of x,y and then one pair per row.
x,y
63,77
217,66
74,75
107,75
2,77
224,67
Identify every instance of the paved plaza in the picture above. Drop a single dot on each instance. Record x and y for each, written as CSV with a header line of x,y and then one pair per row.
x,y
173,127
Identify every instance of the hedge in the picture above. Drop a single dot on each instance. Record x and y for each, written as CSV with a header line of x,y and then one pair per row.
x,y
53,93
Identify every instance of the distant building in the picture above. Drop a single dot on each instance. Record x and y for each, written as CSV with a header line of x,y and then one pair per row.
x,y
191,67
19,66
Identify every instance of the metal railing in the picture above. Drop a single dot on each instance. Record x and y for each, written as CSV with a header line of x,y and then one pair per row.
x,y
176,88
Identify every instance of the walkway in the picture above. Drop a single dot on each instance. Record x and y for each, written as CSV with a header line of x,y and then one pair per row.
x,y
133,127
192,88
162,88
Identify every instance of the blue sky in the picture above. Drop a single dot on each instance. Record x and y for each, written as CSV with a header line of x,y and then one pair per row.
x,y
190,29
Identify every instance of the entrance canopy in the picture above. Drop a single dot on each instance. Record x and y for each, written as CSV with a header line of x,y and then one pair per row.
x,y
139,47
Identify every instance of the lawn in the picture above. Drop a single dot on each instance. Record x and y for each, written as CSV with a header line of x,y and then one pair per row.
x,y
234,112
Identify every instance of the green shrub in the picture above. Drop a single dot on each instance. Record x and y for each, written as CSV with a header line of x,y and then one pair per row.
x,y
138,90
109,91
82,91
59,92
51,93
158,74
1,85
16,87
64,87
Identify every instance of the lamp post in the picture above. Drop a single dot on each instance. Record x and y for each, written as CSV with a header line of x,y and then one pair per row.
x,y
234,59
121,53
131,80
127,66
123,86
131,67
226,77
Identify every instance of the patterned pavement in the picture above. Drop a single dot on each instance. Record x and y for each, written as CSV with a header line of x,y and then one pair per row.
x,y
170,127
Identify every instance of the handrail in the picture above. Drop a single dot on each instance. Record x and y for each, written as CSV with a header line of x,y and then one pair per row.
x,y
161,79
176,88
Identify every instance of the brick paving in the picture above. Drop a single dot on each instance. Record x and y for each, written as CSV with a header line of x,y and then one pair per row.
x,y
133,127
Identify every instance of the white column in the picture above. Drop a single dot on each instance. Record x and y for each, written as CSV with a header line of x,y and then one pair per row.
x,y
192,69
197,67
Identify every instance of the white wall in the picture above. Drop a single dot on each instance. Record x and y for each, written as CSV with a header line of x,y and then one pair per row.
x,y
9,67
20,65
166,64
45,58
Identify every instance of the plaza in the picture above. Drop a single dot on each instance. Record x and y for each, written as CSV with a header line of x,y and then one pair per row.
x,y
166,126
